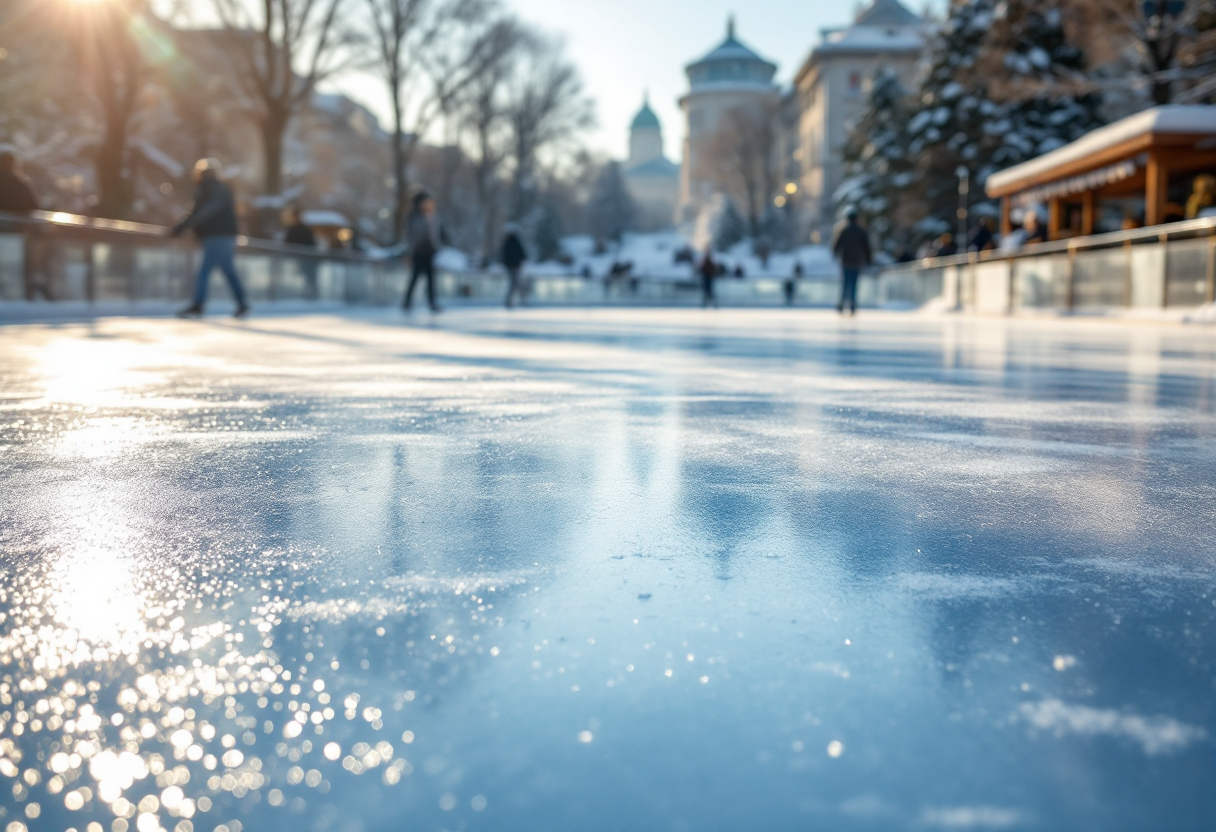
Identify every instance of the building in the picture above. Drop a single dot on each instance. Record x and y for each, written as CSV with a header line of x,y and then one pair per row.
x,y
1154,167
831,88
731,77
653,180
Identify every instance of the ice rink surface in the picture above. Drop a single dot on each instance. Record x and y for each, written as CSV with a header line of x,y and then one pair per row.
x,y
607,570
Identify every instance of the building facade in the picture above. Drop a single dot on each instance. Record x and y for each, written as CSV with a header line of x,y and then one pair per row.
x,y
831,89
653,180
729,78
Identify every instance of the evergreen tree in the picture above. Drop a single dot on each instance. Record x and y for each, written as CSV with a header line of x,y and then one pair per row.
x,y
728,227
878,168
611,210
547,232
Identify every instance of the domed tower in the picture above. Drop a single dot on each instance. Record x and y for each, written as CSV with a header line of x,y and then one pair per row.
x,y
730,77
645,136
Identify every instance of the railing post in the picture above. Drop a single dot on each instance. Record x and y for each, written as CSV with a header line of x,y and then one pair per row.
x,y
1211,289
1127,274
1012,285
90,274
1165,269
1070,297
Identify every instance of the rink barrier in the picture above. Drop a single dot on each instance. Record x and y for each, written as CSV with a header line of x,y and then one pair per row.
x,y
71,258
1162,267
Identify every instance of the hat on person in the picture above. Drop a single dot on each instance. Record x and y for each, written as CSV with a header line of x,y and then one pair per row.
x,y
208,165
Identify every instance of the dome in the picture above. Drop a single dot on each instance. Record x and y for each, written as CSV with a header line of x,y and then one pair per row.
x,y
731,62
645,119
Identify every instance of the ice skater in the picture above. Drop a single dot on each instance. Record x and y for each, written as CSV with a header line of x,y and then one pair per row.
x,y
213,221
852,249
424,245
513,256
708,271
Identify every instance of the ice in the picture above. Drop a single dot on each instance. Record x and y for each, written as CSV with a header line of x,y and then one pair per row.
x,y
606,569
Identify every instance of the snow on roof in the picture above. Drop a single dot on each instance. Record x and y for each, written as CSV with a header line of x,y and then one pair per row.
x,y
1193,119
872,38
888,13
324,219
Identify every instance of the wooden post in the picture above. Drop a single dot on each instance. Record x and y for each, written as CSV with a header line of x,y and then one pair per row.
x,y
1072,276
1088,209
1155,190
1164,241
1054,219
1006,216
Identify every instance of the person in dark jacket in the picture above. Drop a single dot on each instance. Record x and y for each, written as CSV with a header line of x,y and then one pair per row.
x,y
852,249
424,245
946,247
213,221
297,233
708,271
513,256
982,238
16,195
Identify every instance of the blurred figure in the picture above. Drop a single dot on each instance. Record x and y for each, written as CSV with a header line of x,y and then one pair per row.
x,y
1203,196
424,245
17,197
297,233
791,283
852,249
946,246
708,270
213,220
513,256
16,194
982,238
1033,231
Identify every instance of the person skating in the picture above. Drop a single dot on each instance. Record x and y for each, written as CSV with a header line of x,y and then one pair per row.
x,y
213,221
852,249
513,256
708,271
424,245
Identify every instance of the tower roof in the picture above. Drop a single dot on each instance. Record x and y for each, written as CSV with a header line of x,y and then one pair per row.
x,y
645,119
888,13
731,61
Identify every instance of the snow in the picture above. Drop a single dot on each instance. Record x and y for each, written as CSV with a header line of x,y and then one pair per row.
x,y
1193,119
158,157
652,256
324,219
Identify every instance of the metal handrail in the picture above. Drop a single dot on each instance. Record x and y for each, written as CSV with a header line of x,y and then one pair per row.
x,y
1151,234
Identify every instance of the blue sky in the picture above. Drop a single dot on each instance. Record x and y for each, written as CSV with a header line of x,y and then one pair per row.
x,y
625,47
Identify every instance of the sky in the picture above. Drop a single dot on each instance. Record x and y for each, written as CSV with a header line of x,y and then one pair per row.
x,y
626,47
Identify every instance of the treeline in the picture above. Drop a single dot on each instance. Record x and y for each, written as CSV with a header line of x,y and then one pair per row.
x,y
109,102
1004,81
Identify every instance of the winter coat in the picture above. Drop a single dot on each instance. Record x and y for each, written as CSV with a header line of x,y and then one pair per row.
x,y
300,235
513,252
852,247
708,268
424,241
214,211
16,195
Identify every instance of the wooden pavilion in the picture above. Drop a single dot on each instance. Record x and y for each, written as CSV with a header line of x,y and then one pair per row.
x,y
1138,171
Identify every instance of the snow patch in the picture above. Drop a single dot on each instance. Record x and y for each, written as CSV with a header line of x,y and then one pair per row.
x,y
971,817
1155,734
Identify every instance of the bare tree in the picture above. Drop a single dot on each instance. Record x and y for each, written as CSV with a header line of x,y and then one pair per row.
x,y
743,157
545,105
279,51
429,52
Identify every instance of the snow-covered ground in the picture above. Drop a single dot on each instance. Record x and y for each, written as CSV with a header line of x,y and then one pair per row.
x,y
653,257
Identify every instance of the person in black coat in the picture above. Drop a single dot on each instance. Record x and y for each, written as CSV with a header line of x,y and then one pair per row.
x,y
708,271
513,256
852,249
298,234
213,221
16,195
423,231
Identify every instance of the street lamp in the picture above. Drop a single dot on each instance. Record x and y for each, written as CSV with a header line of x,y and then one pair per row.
x,y
964,188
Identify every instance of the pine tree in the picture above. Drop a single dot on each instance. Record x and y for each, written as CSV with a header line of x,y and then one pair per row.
x,y
547,232
611,210
729,226
878,168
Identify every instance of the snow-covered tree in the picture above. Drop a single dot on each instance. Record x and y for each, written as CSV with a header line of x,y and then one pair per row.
x,y
878,167
611,210
729,226
548,231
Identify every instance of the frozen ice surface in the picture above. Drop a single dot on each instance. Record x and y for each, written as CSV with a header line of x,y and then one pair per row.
x,y
607,570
